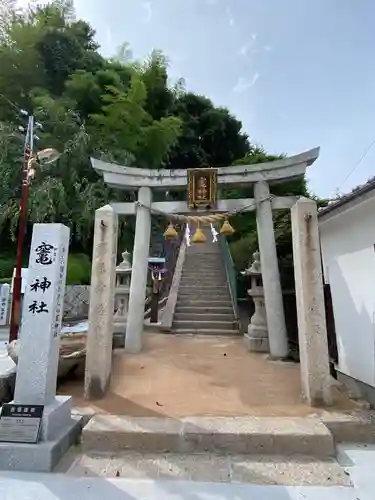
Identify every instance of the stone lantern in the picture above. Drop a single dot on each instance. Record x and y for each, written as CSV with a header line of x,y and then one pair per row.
x,y
123,275
256,338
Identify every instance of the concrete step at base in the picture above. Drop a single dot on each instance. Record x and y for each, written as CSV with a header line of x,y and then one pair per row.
x,y
207,332
239,435
198,324
203,310
199,316
204,467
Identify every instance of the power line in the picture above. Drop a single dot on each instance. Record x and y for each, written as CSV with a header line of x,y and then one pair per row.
x,y
22,111
357,164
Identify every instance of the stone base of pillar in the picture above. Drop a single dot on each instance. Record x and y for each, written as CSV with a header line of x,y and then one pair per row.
x,y
119,331
256,340
119,326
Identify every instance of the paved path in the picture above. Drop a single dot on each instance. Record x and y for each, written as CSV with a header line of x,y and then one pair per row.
x,y
178,376
359,462
57,487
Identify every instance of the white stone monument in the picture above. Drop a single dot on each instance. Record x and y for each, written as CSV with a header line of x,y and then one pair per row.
x,y
4,303
39,354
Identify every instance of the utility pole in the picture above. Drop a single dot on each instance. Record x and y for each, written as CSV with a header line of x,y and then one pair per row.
x,y
15,318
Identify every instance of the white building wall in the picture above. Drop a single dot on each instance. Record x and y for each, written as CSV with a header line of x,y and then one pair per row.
x,y
347,241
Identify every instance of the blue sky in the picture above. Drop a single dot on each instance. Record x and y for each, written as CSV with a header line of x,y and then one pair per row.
x,y
297,73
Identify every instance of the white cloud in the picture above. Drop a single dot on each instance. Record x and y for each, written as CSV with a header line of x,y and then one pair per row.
x,y
244,84
244,49
241,85
268,48
230,16
254,79
147,7
254,36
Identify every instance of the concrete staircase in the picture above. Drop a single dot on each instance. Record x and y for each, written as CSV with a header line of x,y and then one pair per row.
x,y
260,450
204,305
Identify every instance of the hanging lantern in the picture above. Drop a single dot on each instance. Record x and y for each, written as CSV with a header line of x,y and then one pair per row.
x,y
226,229
198,236
170,232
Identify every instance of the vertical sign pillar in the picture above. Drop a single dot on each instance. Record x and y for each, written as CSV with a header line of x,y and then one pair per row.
x,y
312,328
102,304
42,315
38,360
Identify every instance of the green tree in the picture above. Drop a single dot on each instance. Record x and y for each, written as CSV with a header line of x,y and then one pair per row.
x,y
118,109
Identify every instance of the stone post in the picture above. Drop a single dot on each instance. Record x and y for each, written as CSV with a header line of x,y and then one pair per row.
x,y
39,349
42,315
270,272
312,329
102,297
38,359
135,321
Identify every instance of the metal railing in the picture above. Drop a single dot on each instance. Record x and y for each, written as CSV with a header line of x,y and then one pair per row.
x,y
230,272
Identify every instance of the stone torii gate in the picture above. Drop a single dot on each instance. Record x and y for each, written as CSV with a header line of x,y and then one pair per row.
x,y
145,181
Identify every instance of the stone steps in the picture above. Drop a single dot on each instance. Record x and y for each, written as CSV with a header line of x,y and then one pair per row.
x,y
203,468
203,310
213,317
206,332
204,287
224,297
204,304
193,324
194,279
237,435
208,290
203,263
209,284
213,272
190,301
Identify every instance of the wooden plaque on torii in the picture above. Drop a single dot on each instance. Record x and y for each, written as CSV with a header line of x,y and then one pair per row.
x,y
202,188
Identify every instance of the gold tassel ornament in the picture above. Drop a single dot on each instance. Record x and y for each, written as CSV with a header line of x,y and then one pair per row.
x,y
198,236
170,232
226,229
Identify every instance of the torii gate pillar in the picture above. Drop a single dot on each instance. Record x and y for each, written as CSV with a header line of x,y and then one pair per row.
x,y
135,320
273,296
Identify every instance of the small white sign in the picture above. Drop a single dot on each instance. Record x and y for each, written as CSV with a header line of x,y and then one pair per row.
x,y
4,303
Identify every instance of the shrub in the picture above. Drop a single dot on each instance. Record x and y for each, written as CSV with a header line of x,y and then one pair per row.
x,y
7,264
79,270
